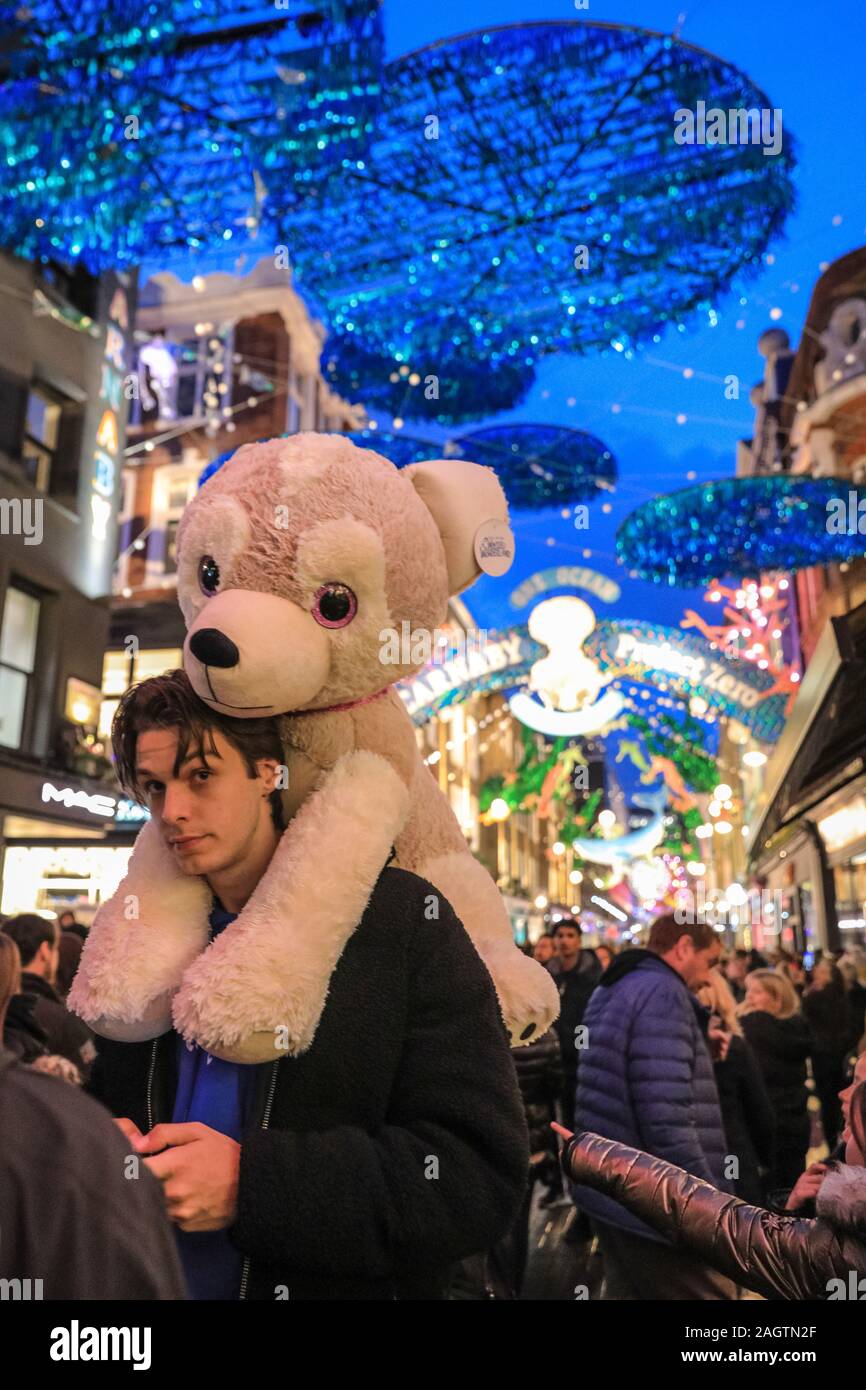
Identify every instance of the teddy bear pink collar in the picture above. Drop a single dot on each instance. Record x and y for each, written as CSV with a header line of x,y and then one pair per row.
x,y
336,709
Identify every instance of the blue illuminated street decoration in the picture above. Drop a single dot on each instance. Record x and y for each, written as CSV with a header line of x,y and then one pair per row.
x,y
543,465
739,526
537,465
438,391
689,666
133,130
524,193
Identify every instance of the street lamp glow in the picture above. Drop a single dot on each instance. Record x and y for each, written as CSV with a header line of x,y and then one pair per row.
x,y
541,901
754,758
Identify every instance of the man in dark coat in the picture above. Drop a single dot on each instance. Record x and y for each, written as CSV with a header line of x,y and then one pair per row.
x,y
38,942
646,1079
576,971
396,1144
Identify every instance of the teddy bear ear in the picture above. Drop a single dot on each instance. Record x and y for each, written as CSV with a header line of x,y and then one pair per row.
x,y
469,508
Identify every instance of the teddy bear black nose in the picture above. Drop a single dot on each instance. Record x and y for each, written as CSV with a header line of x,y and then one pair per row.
x,y
213,648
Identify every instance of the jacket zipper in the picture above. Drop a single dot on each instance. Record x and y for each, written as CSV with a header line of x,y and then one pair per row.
x,y
150,1084
245,1273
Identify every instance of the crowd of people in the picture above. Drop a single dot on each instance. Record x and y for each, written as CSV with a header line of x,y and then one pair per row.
x,y
707,1065
687,1078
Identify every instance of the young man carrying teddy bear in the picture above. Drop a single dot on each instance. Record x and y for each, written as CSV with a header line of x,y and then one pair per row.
x,y
396,1144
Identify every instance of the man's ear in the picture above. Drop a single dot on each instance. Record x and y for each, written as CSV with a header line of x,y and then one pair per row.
x,y
469,508
268,768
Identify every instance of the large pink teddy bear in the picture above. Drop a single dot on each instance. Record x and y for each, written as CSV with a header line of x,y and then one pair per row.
x,y
294,560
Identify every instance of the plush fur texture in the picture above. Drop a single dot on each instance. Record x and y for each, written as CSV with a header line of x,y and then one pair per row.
x,y
842,1198
132,970
283,520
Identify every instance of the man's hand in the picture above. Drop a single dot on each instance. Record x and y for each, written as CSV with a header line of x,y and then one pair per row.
x,y
198,1168
719,1044
129,1129
807,1186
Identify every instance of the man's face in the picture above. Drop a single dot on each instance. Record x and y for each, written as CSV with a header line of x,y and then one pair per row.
x,y
695,966
543,950
209,812
567,941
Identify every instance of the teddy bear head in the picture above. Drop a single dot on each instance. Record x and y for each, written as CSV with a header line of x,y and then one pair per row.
x,y
300,557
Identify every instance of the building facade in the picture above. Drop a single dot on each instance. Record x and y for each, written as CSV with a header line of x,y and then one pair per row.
x,y
809,824
64,391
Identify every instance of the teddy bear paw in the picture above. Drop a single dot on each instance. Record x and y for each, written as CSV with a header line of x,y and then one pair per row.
x,y
236,1012
528,997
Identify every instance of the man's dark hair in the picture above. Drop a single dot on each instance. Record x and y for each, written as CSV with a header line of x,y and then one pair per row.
x,y
571,923
666,931
169,702
28,930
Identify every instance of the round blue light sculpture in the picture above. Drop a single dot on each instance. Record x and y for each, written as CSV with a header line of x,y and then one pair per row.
x,y
543,465
401,449
524,193
131,130
537,465
742,526
442,393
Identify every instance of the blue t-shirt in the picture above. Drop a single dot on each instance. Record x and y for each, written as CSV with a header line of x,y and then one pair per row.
x,y
217,1094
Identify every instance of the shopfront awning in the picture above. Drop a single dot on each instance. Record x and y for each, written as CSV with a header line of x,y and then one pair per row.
x,y
824,742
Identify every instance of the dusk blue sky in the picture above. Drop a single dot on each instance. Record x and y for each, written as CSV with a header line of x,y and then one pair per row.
x,y
807,58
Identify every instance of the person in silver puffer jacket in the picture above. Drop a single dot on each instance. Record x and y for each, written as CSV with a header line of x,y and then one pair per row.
x,y
778,1256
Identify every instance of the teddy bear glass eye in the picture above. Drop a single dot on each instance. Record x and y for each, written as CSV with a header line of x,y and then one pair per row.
x,y
208,574
334,605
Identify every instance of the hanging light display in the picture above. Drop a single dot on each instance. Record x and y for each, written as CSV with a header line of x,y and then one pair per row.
x,y
537,465
543,465
130,130
740,526
524,193
459,388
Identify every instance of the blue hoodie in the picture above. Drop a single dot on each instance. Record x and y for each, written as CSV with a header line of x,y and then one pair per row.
x,y
217,1094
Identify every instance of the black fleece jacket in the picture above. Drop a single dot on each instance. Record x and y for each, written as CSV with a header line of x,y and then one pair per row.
x,y
396,1144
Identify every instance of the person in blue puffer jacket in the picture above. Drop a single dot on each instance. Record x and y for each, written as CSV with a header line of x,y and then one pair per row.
x,y
646,1079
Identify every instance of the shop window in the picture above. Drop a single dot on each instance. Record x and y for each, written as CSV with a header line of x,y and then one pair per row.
x,y
13,404
18,634
120,671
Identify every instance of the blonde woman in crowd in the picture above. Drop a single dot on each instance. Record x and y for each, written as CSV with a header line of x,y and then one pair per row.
x,y
777,1033
746,1111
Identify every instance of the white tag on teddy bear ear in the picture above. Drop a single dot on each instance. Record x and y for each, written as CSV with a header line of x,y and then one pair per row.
x,y
494,546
